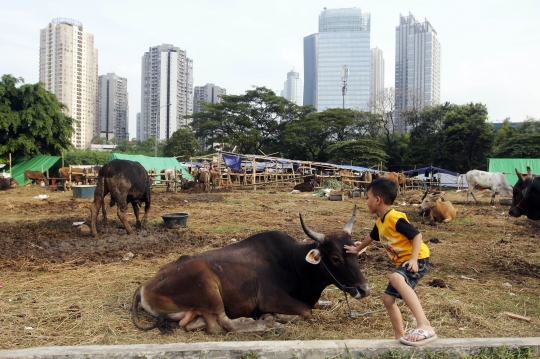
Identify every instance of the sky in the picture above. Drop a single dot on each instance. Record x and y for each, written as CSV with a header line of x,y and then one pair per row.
x,y
490,48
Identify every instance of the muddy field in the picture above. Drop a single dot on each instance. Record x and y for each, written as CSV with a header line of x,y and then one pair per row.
x,y
63,287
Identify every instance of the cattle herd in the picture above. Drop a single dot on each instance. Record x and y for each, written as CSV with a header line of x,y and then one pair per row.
x,y
269,275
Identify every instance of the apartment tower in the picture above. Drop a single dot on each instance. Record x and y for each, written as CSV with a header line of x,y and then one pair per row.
x,y
208,93
166,91
293,88
377,77
113,118
418,66
343,43
68,67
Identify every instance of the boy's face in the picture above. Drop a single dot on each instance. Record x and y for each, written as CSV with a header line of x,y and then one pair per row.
x,y
373,202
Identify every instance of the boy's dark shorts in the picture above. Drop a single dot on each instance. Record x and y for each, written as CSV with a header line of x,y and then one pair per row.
x,y
411,278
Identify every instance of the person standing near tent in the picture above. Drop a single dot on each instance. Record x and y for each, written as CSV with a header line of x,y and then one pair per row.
x,y
404,245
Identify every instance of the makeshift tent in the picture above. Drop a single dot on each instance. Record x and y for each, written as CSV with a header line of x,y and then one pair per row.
x,y
154,163
508,166
39,163
443,176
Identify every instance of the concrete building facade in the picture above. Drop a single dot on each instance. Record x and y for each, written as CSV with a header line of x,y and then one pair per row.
x,y
293,88
138,134
418,66
68,67
167,78
343,42
377,77
209,93
113,110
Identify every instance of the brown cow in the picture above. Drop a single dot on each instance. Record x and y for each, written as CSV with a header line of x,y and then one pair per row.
x,y
34,176
269,274
77,175
439,210
398,178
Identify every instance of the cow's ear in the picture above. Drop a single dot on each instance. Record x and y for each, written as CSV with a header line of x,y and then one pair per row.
x,y
314,256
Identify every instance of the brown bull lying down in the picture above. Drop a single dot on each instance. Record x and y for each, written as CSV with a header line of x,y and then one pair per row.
x,y
437,208
7,183
268,273
128,182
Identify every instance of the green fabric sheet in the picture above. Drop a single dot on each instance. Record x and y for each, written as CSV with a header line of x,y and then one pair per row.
x,y
508,167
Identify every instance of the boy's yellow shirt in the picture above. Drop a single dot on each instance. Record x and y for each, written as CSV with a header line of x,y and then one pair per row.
x,y
398,246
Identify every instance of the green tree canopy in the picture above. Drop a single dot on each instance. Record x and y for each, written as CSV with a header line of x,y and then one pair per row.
x,y
87,157
182,143
32,121
250,121
364,152
521,145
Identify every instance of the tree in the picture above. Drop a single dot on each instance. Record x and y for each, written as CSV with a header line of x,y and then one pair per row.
x,y
87,157
251,121
521,145
182,144
32,121
468,138
363,152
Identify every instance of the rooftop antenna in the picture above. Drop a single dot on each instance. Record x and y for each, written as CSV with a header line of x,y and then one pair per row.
x,y
344,76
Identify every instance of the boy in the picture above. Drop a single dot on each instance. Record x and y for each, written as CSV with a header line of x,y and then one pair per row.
x,y
404,245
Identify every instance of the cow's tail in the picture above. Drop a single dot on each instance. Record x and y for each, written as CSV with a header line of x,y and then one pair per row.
x,y
135,311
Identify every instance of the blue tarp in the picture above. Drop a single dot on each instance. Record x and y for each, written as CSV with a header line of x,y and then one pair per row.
x,y
427,170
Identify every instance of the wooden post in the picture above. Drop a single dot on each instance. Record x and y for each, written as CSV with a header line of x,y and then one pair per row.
x,y
10,173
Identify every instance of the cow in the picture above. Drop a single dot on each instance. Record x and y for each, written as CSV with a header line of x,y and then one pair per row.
x,y
34,176
128,182
526,196
399,178
7,183
438,210
269,274
77,175
171,177
496,181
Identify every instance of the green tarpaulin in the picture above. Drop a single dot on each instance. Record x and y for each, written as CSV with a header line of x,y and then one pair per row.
x,y
154,163
508,167
38,163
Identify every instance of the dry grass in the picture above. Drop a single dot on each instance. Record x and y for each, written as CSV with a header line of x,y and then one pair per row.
x,y
63,287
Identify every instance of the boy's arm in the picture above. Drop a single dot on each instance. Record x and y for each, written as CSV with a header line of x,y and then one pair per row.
x,y
413,262
357,248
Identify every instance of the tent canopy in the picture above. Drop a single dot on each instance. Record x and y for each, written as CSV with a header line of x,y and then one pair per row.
x,y
154,163
430,169
39,163
508,166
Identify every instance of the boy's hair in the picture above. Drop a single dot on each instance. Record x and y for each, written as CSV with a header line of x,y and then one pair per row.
x,y
384,188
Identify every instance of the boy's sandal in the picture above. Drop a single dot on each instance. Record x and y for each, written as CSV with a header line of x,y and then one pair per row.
x,y
427,338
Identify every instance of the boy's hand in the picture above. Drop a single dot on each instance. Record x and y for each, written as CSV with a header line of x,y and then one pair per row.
x,y
352,249
412,265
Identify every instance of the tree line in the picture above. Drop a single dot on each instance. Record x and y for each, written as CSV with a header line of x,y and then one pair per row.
x,y
457,137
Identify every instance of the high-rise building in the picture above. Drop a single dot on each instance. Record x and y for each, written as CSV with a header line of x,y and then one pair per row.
x,y
343,42
113,117
68,67
166,91
377,77
208,93
418,66
293,88
138,135
310,69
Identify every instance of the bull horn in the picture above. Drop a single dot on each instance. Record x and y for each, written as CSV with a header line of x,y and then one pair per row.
x,y
520,176
349,226
318,237
529,172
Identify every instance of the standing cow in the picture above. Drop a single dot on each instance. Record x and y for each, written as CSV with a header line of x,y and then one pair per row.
x,y
34,176
526,196
496,181
128,182
268,274
68,177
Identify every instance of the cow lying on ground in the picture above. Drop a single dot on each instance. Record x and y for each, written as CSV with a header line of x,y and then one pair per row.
x,y
437,208
269,272
128,182
7,183
526,196
34,176
496,181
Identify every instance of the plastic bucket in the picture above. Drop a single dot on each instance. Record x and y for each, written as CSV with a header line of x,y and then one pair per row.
x,y
84,191
173,220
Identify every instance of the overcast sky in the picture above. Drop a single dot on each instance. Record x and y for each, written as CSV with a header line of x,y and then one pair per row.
x,y
490,48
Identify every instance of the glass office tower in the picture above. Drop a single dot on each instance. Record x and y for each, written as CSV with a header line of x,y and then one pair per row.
x,y
343,40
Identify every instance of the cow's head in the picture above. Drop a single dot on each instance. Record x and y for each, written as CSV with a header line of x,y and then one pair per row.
x,y
341,266
524,199
429,200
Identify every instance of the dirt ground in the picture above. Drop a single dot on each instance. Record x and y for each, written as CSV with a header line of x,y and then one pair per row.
x,y
60,286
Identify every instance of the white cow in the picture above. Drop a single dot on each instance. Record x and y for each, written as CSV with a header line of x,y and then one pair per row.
x,y
172,175
496,181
